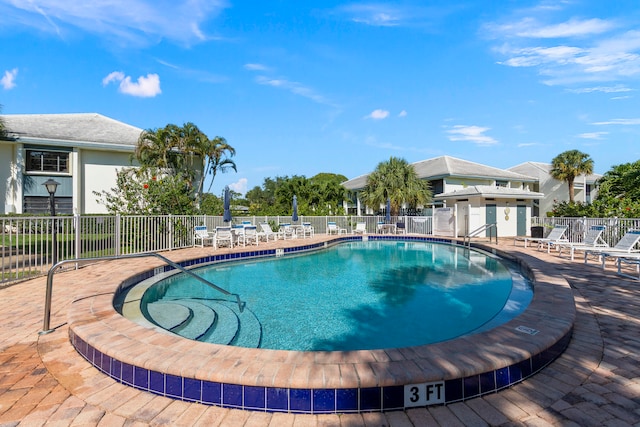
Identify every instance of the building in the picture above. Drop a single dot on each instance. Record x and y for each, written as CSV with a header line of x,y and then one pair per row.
x,y
585,190
476,193
82,152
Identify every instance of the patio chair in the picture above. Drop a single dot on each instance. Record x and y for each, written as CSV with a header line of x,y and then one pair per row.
x,y
361,228
202,236
625,246
223,235
592,239
267,233
332,228
401,228
306,230
554,236
286,231
248,235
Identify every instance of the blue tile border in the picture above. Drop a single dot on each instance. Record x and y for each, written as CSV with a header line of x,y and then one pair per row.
x,y
296,400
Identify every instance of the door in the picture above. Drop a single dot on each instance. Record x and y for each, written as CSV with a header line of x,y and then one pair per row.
x,y
491,218
521,220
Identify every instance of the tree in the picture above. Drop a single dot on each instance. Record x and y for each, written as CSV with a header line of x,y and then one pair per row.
x,y
621,182
569,165
398,181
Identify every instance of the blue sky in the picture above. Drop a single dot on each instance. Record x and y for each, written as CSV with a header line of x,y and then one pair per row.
x,y
299,88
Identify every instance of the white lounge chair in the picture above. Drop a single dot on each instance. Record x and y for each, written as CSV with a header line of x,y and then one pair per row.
x,y
267,233
361,228
223,235
625,246
555,235
202,236
247,235
332,228
592,239
286,231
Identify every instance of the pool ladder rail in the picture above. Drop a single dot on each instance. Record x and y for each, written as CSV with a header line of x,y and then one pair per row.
x,y
493,232
49,291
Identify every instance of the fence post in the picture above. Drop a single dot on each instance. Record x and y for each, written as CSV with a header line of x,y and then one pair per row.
x,y
78,243
118,237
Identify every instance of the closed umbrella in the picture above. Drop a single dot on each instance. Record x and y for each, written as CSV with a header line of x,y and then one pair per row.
x,y
387,217
227,205
294,217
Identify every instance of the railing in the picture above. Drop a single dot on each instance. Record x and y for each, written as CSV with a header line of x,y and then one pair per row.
x,y
49,290
27,243
493,229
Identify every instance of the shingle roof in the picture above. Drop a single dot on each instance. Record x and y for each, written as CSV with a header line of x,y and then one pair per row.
x,y
544,169
440,167
81,127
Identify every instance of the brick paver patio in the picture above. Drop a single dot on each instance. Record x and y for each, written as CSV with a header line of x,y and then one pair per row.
x,y
596,382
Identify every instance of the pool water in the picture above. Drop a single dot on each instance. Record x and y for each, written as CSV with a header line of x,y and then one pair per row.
x,y
362,295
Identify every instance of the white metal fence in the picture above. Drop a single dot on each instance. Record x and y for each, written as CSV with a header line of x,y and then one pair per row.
x,y
30,244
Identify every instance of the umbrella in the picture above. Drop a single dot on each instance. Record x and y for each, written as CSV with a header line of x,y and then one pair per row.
x,y
227,205
294,217
387,217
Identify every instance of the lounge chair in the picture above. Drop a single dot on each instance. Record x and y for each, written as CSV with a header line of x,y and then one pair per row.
x,y
624,258
592,239
555,235
361,228
201,236
332,228
223,235
267,233
625,246
248,235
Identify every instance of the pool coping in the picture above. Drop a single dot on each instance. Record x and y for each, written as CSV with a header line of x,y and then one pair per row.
x,y
325,382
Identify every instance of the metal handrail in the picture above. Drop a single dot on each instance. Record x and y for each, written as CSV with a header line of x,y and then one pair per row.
x,y
491,226
47,303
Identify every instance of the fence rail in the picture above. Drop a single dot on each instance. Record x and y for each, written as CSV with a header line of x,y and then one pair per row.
x,y
31,244
28,249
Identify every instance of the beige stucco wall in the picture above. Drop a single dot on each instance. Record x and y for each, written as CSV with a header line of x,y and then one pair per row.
x,y
99,169
8,184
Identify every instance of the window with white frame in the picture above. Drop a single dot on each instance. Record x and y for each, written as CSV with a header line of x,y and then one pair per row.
x,y
47,161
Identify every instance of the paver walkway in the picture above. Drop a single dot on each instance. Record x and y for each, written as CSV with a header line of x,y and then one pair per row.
x,y
596,382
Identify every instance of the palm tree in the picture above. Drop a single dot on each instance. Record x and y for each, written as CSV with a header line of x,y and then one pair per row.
x,y
569,165
397,181
216,154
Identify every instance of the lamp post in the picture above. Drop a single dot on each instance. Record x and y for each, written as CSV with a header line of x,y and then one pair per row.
x,y
51,187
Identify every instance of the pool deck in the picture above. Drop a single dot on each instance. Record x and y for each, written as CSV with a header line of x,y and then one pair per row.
x,y
596,381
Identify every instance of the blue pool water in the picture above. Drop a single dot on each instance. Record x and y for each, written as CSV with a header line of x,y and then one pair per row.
x,y
358,295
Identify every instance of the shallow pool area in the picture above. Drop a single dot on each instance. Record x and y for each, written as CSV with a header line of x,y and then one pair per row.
x,y
315,382
350,296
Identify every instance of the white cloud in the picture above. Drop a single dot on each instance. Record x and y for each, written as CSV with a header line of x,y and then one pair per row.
x,y
377,114
605,89
139,22
531,28
144,87
295,88
240,186
592,135
622,122
402,113
8,79
473,134
374,14
256,67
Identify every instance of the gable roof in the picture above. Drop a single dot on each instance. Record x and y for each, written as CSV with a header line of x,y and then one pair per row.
x,y
79,128
543,170
444,166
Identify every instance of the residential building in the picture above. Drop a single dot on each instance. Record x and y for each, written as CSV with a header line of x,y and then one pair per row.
x,y
80,151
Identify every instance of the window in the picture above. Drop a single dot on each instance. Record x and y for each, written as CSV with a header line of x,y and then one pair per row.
x,y
47,161
502,183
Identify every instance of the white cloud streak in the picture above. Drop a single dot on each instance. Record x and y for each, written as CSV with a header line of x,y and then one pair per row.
x,y
8,80
473,134
619,122
295,88
139,22
145,87
592,135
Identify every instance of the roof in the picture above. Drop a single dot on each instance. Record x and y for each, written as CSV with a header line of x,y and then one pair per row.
x,y
490,191
444,166
80,127
542,170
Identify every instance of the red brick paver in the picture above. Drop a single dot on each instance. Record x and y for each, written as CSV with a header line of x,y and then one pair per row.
x,y
43,381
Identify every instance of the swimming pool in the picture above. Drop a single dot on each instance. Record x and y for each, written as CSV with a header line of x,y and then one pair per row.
x,y
352,296
150,359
